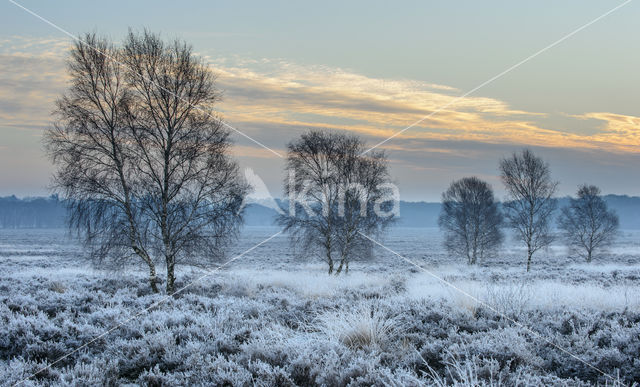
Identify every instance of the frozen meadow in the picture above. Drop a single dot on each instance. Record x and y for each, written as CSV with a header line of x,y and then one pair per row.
x,y
269,318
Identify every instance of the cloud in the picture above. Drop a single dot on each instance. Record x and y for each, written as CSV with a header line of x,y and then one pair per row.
x,y
277,93
265,94
271,99
252,151
32,76
617,129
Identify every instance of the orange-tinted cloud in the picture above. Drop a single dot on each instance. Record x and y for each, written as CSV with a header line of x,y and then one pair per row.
x,y
260,95
621,131
322,97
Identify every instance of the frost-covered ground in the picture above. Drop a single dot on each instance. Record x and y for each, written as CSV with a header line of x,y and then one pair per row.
x,y
270,319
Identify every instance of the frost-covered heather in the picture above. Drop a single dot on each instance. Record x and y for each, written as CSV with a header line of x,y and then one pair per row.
x,y
271,320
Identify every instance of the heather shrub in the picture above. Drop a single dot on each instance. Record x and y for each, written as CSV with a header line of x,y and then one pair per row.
x,y
265,327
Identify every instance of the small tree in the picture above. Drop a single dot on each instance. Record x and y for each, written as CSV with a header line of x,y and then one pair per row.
x,y
470,219
587,224
140,156
335,195
527,179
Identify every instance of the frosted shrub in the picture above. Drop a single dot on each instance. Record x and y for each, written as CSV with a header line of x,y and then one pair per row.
x,y
508,346
264,328
465,371
267,375
16,370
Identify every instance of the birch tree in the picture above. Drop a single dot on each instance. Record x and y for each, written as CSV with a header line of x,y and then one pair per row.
x,y
588,225
470,219
141,156
529,208
335,195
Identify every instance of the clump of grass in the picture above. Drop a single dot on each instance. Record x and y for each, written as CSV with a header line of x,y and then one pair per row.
x,y
56,286
363,327
512,299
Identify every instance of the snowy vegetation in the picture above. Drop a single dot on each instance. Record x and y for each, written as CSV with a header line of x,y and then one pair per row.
x,y
384,323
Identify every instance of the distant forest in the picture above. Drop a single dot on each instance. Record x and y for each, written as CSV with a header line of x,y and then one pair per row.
x,y
39,212
50,212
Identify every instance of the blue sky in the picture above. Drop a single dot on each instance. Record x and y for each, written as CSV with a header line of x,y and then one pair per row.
x,y
371,68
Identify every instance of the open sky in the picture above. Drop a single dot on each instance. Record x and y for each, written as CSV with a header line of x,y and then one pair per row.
x,y
371,68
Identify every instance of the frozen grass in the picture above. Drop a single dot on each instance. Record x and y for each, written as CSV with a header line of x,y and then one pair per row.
x,y
363,326
515,297
312,282
272,320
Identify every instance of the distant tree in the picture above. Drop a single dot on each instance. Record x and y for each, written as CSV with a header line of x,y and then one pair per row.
x,y
141,158
470,219
527,179
335,195
587,224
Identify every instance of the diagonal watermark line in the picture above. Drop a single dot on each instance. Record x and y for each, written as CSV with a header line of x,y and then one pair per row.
x,y
497,76
74,37
493,309
153,305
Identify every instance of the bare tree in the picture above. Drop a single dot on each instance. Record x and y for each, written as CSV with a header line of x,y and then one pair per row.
x,y
529,209
470,219
91,146
587,224
141,156
335,195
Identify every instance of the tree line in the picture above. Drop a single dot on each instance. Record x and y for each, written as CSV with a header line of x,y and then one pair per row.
x,y
37,212
473,221
143,164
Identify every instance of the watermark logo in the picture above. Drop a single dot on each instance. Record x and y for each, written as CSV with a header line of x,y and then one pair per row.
x,y
381,201
259,193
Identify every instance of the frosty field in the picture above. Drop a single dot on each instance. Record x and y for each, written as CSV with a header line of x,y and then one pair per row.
x,y
269,318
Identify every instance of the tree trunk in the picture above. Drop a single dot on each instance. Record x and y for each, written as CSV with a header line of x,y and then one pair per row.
x,y
153,279
344,259
171,279
530,234
327,248
339,269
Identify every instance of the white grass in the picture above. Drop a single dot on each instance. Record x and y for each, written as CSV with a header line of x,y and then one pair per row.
x,y
362,326
521,296
313,282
